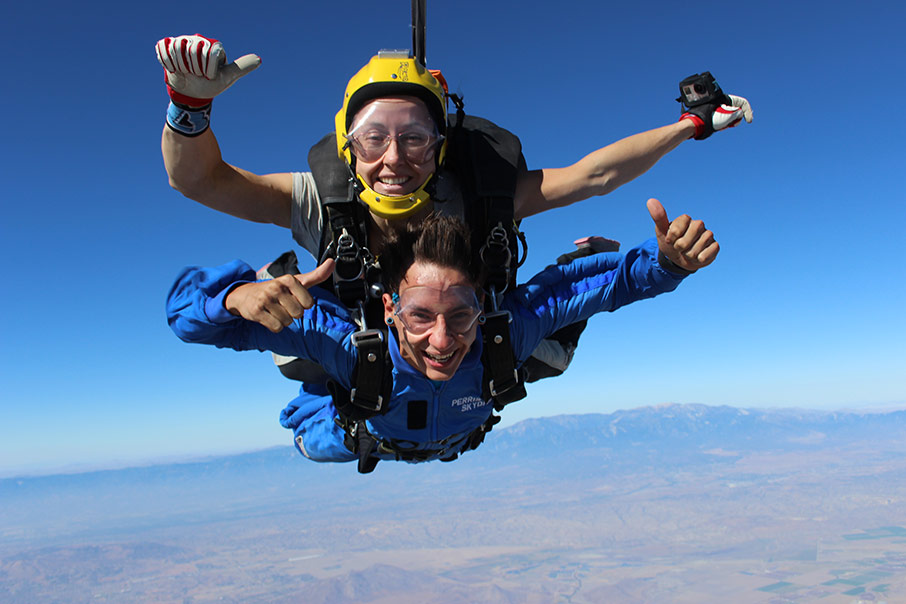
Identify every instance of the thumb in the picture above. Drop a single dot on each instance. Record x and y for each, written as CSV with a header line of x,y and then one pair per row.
x,y
319,275
659,216
238,68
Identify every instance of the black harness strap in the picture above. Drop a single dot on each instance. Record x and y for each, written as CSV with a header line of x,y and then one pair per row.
x,y
370,372
346,235
355,271
487,161
493,158
500,376
366,446
361,442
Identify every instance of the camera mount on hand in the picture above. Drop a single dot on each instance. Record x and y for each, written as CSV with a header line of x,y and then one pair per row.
x,y
700,95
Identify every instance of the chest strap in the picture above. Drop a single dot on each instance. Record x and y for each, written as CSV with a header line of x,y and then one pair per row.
x,y
366,445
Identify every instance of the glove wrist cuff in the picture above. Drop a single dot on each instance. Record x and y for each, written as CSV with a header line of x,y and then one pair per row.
x,y
700,129
191,102
188,121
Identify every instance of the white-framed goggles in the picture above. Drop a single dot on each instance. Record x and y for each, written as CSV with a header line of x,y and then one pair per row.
x,y
370,137
419,307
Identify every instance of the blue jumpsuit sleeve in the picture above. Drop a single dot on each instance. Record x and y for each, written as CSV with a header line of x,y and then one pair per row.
x,y
195,313
564,294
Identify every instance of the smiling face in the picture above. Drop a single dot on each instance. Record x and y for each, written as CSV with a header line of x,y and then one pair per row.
x,y
393,173
442,295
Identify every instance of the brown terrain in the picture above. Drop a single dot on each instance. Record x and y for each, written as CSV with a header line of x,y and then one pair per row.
x,y
823,520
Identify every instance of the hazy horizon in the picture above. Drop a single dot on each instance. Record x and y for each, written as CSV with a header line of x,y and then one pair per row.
x,y
675,504
196,457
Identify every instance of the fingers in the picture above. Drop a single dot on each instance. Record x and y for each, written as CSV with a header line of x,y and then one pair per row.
x,y
692,243
280,301
743,104
725,116
686,242
659,216
163,56
707,255
276,303
191,55
273,304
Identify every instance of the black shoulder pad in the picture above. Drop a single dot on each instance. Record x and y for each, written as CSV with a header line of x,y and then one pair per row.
x,y
487,158
329,170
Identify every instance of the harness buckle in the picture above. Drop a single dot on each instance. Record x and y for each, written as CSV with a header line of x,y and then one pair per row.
x,y
350,265
509,385
366,402
366,337
370,345
496,256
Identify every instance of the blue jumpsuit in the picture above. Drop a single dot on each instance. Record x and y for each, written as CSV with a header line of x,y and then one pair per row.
x,y
557,296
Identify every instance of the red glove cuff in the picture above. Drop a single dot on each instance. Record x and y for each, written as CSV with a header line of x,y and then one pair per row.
x,y
178,97
697,121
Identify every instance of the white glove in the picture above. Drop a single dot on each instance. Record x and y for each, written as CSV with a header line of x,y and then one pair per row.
x,y
713,117
196,68
727,116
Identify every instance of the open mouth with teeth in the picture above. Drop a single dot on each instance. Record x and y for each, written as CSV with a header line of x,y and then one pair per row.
x,y
438,360
394,181
396,185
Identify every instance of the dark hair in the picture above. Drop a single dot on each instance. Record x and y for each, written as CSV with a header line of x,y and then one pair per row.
x,y
440,240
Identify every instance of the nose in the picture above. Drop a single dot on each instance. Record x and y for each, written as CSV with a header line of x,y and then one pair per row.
x,y
392,153
440,337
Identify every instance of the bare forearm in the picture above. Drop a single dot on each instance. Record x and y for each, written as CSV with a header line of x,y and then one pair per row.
x,y
190,161
616,164
599,172
196,169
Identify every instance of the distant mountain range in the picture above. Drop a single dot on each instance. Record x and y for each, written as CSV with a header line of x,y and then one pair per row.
x,y
700,426
571,489
671,428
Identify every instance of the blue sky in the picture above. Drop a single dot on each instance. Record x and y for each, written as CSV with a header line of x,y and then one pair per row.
x,y
804,306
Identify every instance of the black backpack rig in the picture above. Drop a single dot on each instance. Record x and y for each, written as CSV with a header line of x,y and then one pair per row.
x,y
485,161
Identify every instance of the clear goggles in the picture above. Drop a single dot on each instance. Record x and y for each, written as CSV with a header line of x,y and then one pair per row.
x,y
370,139
419,307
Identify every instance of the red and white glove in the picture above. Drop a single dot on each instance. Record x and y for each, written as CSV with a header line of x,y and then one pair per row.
x,y
720,116
196,68
728,116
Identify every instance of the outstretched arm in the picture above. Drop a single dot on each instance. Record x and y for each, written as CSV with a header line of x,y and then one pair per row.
x,y
198,311
610,167
599,172
196,71
563,294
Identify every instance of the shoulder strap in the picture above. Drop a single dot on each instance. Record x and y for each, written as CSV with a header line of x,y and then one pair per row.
x,y
488,160
345,239
335,182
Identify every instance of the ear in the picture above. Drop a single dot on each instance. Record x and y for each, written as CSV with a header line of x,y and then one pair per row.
x,y
387,299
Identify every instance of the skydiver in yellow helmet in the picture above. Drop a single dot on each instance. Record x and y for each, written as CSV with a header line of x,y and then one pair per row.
x,y
393,87
391,132
196,70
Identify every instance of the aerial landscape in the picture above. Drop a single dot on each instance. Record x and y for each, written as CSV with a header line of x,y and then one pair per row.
x,y
740,440
676,503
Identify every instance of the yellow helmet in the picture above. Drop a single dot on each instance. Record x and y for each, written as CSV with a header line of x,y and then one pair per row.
x,y
392,73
